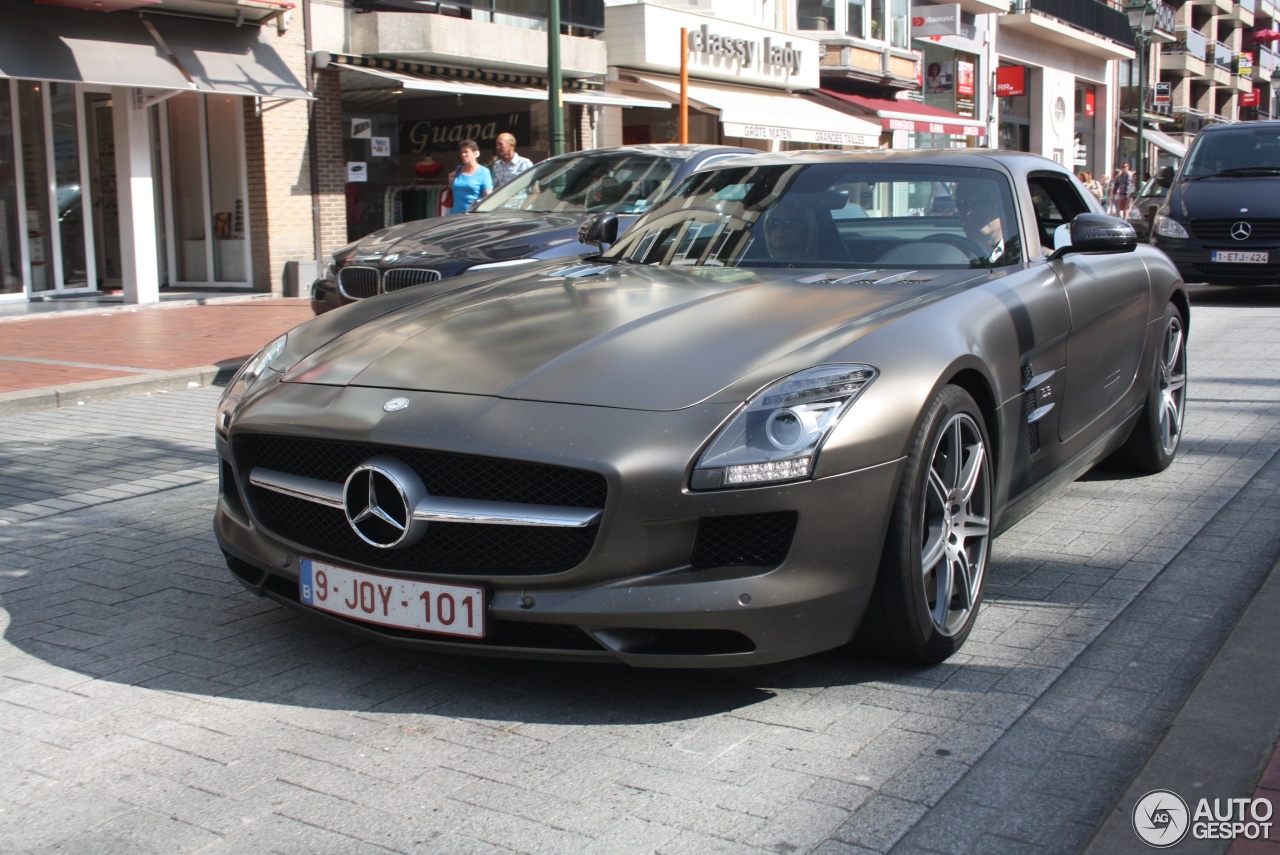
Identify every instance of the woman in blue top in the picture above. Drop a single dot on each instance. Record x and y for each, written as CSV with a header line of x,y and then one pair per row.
x,y
471,181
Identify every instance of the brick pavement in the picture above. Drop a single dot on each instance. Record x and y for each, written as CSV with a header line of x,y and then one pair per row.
x,y
148,703
133,346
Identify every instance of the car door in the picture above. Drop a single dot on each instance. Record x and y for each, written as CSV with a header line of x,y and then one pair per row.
x,y
1108,296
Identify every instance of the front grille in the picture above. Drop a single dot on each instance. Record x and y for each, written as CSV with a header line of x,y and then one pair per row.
x,y
457,548
1262,231
407,277
358,282
447,547
747,540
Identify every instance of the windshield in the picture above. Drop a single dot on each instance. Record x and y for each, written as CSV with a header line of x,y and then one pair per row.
x,y
625,182
1238,151
829,215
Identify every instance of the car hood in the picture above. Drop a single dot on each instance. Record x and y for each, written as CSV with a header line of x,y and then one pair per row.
x,y
1216,198
619,336
478,238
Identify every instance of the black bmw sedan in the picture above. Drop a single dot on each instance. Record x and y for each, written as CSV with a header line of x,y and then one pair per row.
x,y
534,217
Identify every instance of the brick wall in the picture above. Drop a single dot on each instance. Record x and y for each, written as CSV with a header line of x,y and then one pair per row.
x,y
330,161
279,173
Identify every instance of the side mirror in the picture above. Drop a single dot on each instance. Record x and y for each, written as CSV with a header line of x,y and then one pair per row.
x,y
1098,233
1164,176
599,229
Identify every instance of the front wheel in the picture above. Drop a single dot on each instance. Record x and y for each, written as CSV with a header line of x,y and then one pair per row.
x,y
934,565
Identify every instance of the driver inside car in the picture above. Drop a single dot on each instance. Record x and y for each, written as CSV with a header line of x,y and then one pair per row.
x,y
790,232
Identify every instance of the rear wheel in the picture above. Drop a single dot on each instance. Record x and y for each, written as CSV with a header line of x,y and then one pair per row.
x,y
935,558
1154,441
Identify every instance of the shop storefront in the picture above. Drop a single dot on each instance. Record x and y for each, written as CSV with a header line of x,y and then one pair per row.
x,y
950,48
123,160
744,83
402,122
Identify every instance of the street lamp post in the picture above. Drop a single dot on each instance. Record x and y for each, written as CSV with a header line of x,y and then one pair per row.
x,y
1142,17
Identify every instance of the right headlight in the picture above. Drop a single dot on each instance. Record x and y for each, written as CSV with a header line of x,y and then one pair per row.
x,y
1168,227
778,433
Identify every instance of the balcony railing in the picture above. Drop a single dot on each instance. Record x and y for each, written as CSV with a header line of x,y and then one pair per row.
x,y
1190,42
1091,15
1223,56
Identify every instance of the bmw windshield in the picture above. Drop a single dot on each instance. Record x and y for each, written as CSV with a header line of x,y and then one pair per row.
x,y
625,183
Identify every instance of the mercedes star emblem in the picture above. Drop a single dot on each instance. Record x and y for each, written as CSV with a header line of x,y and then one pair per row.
x,y
1241,230
395,405
378,499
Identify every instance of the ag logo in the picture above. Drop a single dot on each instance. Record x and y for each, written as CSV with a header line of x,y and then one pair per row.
x,y
1161,818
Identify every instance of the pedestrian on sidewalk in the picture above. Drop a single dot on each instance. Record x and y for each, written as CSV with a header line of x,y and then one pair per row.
x,y
508,164
1122,190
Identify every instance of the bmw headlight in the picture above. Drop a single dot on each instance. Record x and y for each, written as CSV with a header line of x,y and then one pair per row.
x,y
1168,227
778,433
244,381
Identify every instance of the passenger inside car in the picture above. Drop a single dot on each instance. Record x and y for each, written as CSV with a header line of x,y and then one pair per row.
x,y
979,209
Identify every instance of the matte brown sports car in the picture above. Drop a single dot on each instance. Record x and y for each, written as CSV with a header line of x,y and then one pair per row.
x,y
789,409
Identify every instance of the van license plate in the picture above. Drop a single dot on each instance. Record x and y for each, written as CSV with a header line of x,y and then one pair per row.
x,y
385,600
1236,257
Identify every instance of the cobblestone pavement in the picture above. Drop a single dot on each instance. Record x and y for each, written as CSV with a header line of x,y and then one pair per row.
x,y
149,704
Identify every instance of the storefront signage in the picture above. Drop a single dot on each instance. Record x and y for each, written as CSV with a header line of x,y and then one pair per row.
x,y
745,51
1164,92
361,129
444,133
1245,65
1249,99
810,135
941,20
1011,80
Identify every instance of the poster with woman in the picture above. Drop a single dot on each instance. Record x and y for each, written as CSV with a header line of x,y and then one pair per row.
x,y
938,77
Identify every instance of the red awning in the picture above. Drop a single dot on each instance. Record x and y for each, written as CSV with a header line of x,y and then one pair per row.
x,y
899,115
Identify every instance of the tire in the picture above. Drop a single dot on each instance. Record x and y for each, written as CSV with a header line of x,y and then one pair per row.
x,y
1155,438
935,557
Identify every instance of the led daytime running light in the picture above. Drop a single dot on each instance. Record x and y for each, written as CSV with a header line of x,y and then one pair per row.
x,y
777,470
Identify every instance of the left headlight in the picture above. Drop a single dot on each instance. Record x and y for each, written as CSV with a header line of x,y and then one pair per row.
x,y
778,433
244,381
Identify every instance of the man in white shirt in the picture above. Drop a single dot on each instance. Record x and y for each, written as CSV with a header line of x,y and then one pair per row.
x,y
509,164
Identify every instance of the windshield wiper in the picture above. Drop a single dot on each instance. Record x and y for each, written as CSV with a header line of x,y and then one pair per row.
x,y
1249,170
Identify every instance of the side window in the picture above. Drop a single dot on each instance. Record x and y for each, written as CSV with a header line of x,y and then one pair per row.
x,y
1056,202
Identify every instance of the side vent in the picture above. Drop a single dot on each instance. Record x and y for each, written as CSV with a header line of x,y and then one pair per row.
x,y
1033,386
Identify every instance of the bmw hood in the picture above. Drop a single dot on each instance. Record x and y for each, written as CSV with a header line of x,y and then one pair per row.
x,y
478,238
1225,198
613,336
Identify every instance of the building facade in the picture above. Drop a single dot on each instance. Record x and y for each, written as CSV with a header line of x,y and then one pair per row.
x,y
146,145
232,144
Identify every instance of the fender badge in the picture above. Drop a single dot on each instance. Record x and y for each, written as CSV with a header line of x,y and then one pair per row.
x,y
395,405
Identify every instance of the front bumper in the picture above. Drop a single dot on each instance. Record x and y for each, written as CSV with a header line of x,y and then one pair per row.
x,y
1192,258
638,596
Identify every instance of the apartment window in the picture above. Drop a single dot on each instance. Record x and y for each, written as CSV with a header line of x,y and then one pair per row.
x,y
815,14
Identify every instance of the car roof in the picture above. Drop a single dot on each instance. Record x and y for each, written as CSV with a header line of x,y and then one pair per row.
x,y
678,150
1015,163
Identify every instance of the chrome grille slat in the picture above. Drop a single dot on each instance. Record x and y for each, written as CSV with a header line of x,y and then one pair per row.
x,y
407,277
358,282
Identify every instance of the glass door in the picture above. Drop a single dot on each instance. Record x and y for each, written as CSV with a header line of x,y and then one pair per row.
x,y
103,201
206,169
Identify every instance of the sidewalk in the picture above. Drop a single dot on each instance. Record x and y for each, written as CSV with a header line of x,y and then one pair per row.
x,y
73,352
1223,738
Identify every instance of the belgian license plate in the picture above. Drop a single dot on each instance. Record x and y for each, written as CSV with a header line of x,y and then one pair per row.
x,y
390,601
1237,257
